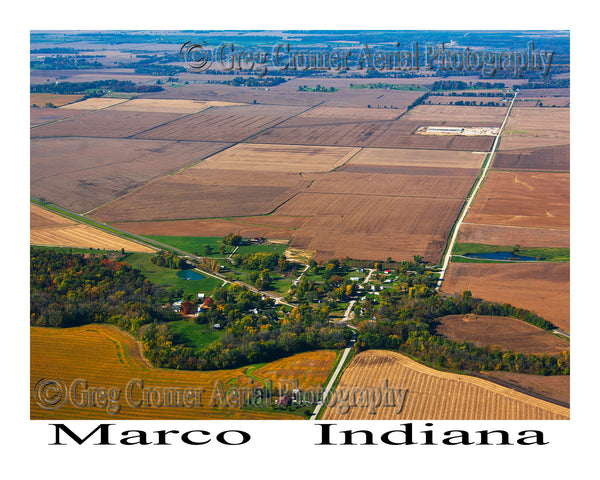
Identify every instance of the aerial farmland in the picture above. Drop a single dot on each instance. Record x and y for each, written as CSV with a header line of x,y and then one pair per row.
x,y
315,229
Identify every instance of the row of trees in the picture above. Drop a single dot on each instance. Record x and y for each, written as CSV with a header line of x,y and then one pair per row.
x,y
95,88
169,260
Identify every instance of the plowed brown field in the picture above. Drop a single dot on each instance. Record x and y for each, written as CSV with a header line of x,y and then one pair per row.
x,y
39,116
530,127
395,157
223,124
540,287
104,123
204,193
555,158
505,332
373,226
434,395
510,235
526,199
268,226
84,173
41,99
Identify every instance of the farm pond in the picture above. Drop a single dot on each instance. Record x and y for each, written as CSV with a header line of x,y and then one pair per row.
x,y
190,275
507,256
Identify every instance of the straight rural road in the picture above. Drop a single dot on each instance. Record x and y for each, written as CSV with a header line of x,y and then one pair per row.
x,y
467,206
152,243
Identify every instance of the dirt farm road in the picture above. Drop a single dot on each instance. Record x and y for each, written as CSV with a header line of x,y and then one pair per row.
x,y
473,193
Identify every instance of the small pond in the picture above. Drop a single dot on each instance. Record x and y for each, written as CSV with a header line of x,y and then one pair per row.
x,y
190,275
509,256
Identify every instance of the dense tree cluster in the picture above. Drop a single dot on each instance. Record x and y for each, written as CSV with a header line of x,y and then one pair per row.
x,y
169,260
251,81
460,85
72,289
61,62
252,331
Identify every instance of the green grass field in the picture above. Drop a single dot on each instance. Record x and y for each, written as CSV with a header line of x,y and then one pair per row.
x,y
168,276
545,254
194,245
192,335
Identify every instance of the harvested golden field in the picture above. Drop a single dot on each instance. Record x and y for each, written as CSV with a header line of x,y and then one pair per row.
x,y
433,395
513,235
161,105
505,332
41,99
540,287
204,193
530,127
337,114
306,370
525,199
48,228
279,158
83,173
97,103
396,157
64,355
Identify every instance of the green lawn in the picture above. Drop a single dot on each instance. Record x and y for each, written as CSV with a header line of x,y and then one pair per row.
x,y
168,276
264,248
192,335
194,244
